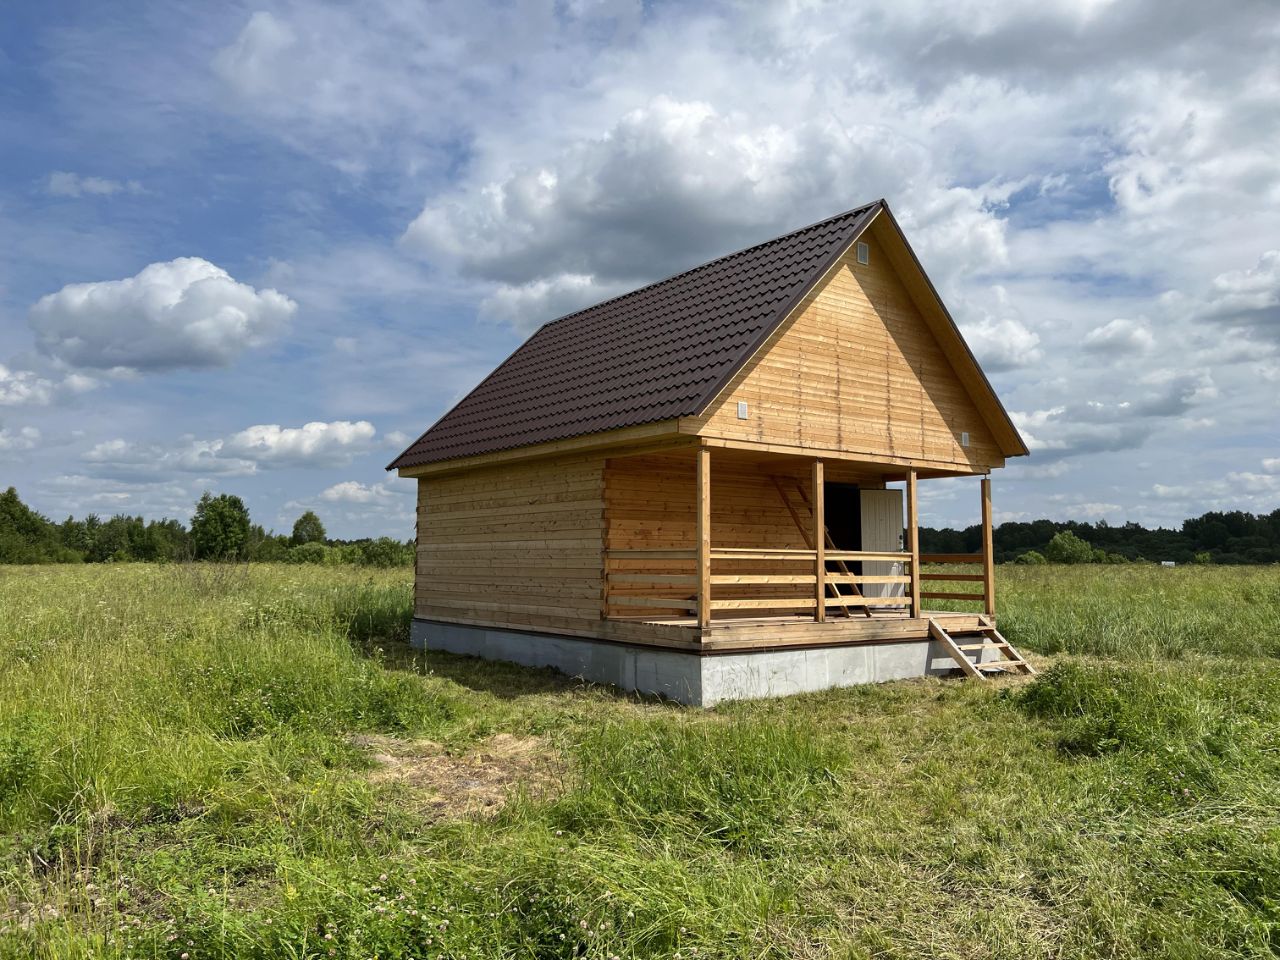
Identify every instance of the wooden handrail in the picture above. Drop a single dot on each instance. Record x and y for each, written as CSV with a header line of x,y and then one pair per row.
x,y
951,558
634,588
943,595
871,555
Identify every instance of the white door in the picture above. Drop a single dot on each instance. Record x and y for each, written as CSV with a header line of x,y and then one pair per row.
x,y
882,533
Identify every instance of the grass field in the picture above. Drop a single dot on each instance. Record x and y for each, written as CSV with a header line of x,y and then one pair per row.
x,y
211,762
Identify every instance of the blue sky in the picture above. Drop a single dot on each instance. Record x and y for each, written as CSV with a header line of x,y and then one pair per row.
x,y
257,247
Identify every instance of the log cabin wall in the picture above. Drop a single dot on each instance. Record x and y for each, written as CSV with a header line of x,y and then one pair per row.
x,y
856,369
515,545
650,503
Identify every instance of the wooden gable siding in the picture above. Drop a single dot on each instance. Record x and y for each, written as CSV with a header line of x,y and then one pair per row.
x,y
857,370
514,545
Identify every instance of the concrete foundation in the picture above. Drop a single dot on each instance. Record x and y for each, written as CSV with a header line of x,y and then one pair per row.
x,y
696,679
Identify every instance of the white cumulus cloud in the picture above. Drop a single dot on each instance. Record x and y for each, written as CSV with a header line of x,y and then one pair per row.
x,y
1120,335
312,444
23,438
181,313
20,388
353,491
316,444
675,182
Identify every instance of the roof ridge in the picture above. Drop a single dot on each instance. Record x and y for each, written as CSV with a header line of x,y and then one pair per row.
x,y
855,211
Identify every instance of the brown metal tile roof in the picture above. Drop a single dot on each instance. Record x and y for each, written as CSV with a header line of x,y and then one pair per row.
x,y
661,352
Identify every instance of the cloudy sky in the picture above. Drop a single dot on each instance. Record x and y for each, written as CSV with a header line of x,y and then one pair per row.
x,y
257,247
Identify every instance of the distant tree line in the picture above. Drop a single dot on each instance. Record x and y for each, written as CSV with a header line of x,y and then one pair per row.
x,y
1232,537
220,529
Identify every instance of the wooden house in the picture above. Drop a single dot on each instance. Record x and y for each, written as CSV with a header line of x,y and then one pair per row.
x,y
686,489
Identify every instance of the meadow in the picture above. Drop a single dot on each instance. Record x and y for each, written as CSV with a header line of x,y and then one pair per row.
x,y
201,761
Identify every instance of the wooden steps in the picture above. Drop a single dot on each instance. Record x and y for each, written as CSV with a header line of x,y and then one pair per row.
x,y
987,638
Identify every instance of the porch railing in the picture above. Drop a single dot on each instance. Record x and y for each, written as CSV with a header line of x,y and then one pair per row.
x,y
984,596
745,582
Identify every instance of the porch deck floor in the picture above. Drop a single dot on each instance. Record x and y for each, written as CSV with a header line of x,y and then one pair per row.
x,y
776,632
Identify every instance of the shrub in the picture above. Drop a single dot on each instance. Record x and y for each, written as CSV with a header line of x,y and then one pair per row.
x,y
1032,557
385,552
308,553
1066,547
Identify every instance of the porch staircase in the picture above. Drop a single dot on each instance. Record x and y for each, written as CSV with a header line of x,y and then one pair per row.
x,y
967,647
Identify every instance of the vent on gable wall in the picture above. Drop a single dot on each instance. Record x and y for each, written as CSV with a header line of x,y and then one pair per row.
x,y
964,438
742,409
864,253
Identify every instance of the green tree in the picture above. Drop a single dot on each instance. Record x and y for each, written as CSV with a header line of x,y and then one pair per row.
x,y
220,527
308,529
385,552
1066,547
27,537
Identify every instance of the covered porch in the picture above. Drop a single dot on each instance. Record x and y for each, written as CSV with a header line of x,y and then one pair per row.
x,y
730,549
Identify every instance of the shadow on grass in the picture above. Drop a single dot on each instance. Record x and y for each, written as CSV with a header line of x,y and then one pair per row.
x,y
509,681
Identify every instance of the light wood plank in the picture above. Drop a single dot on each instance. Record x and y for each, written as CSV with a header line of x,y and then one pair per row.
x,y
704,537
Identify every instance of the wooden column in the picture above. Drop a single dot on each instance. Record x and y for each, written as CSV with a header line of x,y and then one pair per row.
x,y
704,536
913,542
819,536
988,552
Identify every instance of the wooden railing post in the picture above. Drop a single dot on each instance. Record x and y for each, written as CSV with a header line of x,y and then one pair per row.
x,y
988,552
704,536
913,542
819,538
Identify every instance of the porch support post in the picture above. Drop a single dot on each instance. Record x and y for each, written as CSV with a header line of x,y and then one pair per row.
x,y
704,536
819,543
913,542
988,552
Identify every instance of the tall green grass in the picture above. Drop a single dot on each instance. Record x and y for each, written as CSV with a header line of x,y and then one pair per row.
x,y
178,774
1142,611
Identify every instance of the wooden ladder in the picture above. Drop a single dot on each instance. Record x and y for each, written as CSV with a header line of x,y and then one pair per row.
x,y
987,638
832,588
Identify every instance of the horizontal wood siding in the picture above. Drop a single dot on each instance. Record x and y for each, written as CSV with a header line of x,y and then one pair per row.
x,y
517,545
856,369
650,504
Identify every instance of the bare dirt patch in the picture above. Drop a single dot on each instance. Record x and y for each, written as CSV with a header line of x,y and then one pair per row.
x,y
480,781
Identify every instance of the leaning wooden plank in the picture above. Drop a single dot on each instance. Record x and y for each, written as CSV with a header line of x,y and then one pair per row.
x,y
944,638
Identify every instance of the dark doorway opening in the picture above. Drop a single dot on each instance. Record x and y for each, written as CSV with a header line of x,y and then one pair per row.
x,y
843,510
